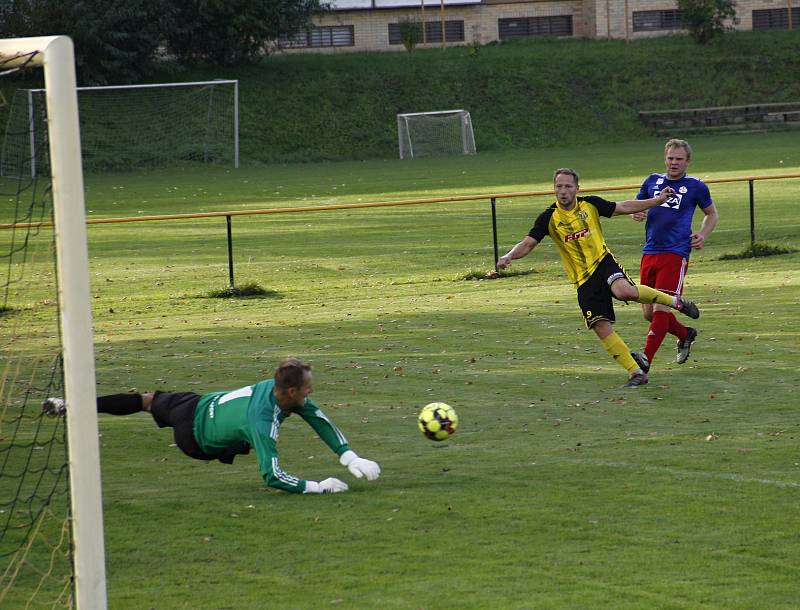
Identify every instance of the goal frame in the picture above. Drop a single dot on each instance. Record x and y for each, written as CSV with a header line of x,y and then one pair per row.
x,y
467,133
55,55
30,93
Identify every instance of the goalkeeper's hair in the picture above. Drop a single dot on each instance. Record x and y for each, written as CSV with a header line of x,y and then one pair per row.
x,y
291,373
676,143
567,172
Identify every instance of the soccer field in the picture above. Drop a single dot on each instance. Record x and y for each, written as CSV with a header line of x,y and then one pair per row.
x,y
560,488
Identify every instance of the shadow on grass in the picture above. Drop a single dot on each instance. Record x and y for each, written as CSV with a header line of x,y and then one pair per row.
x,y
757,249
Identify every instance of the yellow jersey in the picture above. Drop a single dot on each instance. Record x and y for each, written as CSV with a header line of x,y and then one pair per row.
x,y
577,235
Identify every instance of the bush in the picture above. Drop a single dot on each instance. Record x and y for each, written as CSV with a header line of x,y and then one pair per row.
x,y
239,292
755,250
705,19
410,32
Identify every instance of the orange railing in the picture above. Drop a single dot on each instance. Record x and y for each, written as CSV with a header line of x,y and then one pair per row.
x,y
492,197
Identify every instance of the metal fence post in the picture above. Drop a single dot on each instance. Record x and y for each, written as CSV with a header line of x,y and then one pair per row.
x,y
494,230
230,250
752,219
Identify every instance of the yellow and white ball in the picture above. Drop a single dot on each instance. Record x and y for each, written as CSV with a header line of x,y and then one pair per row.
x,y
438,421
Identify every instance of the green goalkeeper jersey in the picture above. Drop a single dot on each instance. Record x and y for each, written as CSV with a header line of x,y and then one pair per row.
x,y
252,414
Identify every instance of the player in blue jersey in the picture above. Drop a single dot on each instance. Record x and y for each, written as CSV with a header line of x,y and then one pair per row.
x,y
669,242
222,425
573,224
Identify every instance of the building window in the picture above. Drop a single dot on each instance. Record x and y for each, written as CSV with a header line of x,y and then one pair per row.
x,y
775,19
453,32
326,36
553,25
652,21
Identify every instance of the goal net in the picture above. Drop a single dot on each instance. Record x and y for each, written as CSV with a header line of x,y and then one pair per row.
x,y
51,527
425,134
133,127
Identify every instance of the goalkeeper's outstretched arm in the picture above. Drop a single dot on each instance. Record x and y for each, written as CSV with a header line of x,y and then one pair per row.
x,y
523,248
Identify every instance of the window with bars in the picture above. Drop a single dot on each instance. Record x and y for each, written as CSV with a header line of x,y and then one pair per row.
x,y
453,32
652,21
551,25
775,18
323,36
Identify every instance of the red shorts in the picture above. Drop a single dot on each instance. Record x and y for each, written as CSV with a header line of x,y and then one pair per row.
x,y
664,272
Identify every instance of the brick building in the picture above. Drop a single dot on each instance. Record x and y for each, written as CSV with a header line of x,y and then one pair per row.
x,y
374,25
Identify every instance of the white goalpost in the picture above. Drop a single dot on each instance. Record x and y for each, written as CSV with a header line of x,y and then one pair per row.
x,y
54,54
132,127
444,132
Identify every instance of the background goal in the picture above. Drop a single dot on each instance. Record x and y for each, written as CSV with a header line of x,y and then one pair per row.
x,y
132,127
445,132
51,525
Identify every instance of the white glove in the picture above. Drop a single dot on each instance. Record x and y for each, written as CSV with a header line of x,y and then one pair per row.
x,y
328,486
359,467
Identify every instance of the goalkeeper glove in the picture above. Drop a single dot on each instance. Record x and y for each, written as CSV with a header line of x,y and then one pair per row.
x,y
359,467
328,486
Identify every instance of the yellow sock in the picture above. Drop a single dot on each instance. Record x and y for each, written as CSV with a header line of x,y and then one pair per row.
x,y
651,295
617,349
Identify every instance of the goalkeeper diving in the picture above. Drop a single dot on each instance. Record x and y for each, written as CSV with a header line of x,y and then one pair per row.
x,y
222,425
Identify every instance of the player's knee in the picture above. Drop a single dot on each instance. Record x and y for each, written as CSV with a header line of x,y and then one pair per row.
x,y
147,400
622,289
602,328
625,292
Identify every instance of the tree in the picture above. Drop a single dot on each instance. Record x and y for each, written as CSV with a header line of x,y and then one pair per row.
x,y
114,39
234,31
410,32
705,19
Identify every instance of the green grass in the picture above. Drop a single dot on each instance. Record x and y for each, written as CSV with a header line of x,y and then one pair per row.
x,y
528,93
560,489
523,94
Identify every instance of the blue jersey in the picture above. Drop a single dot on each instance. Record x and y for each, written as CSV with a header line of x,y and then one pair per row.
x,y
669,225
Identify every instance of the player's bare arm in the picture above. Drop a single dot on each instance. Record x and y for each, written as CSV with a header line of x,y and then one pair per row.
x,y
523,248
632,206
706,227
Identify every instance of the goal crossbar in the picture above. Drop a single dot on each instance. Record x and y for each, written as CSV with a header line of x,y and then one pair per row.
x,y
217,81
232,127
405,114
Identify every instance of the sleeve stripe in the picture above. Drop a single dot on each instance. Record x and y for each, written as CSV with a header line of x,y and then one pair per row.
x,y
281,475
276,424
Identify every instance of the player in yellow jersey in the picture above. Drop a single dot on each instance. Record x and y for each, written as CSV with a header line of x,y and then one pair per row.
x,y
573,223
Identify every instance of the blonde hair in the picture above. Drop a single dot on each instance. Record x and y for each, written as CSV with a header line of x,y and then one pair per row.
x,y
676,143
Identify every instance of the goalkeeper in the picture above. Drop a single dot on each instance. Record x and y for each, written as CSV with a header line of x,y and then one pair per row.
x,y
573,223
222,425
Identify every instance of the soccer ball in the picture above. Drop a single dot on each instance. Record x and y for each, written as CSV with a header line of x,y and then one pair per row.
x,y
438,421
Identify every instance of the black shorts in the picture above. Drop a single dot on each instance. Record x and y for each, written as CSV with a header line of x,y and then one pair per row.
x,y
176,410
594,295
